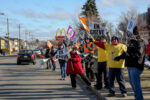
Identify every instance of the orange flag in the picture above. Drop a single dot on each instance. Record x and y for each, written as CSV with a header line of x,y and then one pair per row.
x,y
49,44
83,21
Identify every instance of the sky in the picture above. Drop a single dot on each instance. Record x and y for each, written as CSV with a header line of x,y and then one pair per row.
x,y
42,18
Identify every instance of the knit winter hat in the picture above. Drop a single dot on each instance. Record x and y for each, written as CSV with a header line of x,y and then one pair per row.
x,y
135,31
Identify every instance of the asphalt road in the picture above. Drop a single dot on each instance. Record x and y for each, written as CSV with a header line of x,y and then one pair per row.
x,y
19,82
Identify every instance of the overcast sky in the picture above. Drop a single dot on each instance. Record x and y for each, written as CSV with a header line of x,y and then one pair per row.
x,y
42,17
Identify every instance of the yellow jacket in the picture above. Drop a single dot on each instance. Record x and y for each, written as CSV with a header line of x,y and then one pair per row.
x,y
102,55
114,51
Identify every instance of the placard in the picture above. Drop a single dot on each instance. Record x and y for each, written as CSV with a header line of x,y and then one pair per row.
x,y
131,25
62,54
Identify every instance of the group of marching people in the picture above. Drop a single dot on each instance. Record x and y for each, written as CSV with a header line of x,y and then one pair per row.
x,y
105,58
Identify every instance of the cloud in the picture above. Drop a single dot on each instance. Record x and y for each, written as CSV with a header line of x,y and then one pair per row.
x,y
129,2
112,3
33,14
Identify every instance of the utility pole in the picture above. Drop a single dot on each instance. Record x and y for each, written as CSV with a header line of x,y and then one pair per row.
x,y
19,37
26,38
8,35
29,41
32,41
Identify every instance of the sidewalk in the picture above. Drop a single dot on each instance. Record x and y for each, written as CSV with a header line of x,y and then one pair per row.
x,y
102,94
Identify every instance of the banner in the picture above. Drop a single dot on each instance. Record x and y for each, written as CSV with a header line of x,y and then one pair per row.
x,y
83,21
62,54
61,36
71,33
49,44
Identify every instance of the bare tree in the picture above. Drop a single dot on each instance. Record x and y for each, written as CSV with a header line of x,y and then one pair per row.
x,y
131,13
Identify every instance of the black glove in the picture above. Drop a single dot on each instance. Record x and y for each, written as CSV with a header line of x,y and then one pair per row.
x,y
71,60
117,58
123,56
90,39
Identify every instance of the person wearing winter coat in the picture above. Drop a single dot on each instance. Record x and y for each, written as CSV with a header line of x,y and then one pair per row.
x,y
62,62
48,56
52,58
74,67
148,49
135,63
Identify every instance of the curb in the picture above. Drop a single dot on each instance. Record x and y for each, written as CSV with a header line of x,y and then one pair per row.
x,y
100,97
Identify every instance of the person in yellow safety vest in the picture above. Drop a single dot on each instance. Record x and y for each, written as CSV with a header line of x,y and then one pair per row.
x,y
102,66
88,48
116,68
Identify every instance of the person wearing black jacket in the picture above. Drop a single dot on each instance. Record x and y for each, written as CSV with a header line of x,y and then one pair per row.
x,y
52,58
89,49
134,60
135,63
48,55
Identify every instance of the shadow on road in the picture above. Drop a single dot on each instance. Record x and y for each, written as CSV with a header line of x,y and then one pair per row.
x,y
8,64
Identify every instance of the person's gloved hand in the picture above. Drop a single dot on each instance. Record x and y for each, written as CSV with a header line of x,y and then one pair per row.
x,y
117,58
91,40
71,60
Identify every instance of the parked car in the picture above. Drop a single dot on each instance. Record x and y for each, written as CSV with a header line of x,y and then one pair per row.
x,y
37,52
26,56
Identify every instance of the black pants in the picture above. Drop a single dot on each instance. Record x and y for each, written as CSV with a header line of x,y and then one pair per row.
x,y
73,79
117,73
89,71
149,57
49,65
102,71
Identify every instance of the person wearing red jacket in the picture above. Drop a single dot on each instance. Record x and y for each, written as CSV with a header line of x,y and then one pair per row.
x,y
148,49
74,67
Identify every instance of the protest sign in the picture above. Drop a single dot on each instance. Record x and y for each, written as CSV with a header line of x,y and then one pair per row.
x,y
131,25
97,29
62,54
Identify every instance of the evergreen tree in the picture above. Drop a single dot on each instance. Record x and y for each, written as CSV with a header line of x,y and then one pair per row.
x,y
89,9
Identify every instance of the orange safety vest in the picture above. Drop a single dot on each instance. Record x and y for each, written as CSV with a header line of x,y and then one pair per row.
x,y
87,50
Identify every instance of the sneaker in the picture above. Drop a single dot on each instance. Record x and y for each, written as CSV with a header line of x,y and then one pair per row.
x,y
111,95
63,78
124,94
106,88
92,80
89,87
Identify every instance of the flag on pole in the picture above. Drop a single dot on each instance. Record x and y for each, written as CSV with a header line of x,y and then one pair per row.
x,y
83,21
49,44
71,33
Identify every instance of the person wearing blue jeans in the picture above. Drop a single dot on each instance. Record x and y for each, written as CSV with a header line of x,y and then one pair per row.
x,y
54,65
135,63
62,62
63,70
134,79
